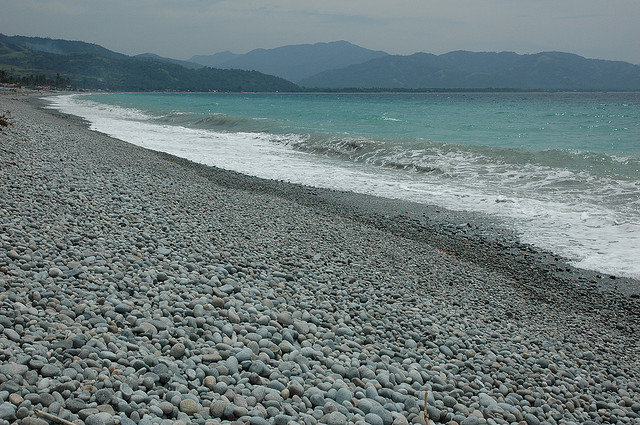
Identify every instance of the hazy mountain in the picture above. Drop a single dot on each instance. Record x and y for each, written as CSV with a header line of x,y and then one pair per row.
x,y
468,70
153,56
94,67
343,65
294,62
216,60
59,47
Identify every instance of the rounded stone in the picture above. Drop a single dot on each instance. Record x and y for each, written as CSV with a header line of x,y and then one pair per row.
x,y
122,308
13,370
7,411
220,388
178,350
531,419
210,382
190,406
12,335
446,351
335,418
101,418
244,355
50,370
296,388
55,272
373,419
33,421
166,407
217,408
104,396
343,395
284,319
16,399
74,405
258,420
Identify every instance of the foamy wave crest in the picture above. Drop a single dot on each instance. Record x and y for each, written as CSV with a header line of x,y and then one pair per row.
x,y
563,168
77,101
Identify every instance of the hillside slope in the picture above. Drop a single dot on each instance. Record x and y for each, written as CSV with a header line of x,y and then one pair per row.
x,y
294,62
153,56
93,67
468,70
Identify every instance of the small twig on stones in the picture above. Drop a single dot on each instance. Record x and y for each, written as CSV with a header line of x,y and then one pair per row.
x,y
52,418
426,413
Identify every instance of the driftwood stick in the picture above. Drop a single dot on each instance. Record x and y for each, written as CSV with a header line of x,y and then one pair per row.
x,y
426,413
52,418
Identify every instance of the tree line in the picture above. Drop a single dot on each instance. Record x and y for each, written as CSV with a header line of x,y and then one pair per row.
x,y
34,80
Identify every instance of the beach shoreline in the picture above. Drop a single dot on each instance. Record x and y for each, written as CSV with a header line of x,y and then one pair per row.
x,y
471,232
385,280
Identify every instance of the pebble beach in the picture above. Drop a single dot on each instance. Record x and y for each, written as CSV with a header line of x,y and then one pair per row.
x,y
140,288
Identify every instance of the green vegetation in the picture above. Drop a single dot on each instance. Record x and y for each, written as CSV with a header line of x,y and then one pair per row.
x,y
58,46
93,67
33,80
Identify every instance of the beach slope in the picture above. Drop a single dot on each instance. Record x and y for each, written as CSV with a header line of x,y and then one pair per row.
x,y
142,288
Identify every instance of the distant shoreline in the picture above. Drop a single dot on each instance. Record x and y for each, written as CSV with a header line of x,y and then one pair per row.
x,y
47,92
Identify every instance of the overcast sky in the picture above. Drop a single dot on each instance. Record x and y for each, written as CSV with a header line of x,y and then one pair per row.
x,y
607,29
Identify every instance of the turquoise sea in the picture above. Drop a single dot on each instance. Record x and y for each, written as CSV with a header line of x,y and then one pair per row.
x,y
561,169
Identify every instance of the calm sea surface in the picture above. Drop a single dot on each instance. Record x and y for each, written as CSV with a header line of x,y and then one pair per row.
x,y
562,170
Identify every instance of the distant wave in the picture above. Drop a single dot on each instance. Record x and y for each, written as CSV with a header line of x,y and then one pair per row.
x,y
219,122
409,153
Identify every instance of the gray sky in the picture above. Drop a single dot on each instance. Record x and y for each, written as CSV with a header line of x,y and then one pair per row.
x,y
607,29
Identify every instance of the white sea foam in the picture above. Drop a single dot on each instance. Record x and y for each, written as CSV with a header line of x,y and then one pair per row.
x,y
580,226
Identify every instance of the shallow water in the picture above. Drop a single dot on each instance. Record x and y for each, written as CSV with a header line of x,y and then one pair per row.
x,y
563,170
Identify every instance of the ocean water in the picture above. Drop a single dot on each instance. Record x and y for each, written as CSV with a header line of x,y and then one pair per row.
x,y
561,169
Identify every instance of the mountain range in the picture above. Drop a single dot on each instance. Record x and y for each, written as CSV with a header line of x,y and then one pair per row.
x,y
342,65
483,70
94,67
186,64
294,62
337,65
